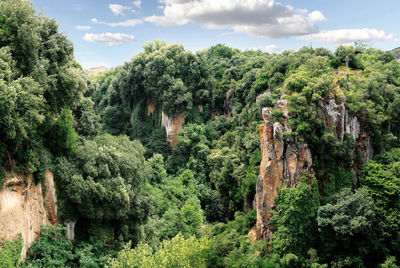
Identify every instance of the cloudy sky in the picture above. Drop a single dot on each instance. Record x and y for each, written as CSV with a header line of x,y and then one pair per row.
x,y
110,32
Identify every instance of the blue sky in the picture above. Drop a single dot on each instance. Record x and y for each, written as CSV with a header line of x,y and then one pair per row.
x,y
110,32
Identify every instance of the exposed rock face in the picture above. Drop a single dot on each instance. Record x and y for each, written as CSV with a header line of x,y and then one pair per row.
x,y
339,119
172,127
24,206
70,229
282,163
150,107
285,162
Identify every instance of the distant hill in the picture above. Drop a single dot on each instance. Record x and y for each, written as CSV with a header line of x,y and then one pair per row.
x,y
98,69
396,53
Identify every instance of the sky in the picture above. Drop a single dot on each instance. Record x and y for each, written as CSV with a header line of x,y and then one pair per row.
x,y
111,32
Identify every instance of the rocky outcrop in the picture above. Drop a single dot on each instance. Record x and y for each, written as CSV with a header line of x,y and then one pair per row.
x,y
172,127
150,107
282,163
24,206
70,229
342,122
285,162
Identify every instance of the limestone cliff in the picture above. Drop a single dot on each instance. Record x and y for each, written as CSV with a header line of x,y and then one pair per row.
x,y
24,206
286,162
172,127
281,163
342,122
172,124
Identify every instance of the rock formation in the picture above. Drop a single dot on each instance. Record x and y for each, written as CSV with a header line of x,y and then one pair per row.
x,y
286,162
172,127
24,206
339,119
70,229
281,163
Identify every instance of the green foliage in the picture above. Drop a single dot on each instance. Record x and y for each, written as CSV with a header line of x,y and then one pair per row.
x,y
276,116
348,227
21,103
38,80
232,247
87,120
104,180
348,54
62,134
295,220
390,262
191,151
177,207
116,120
10,252
381,177
227,173
177,252
297,81
52,249
106,184
21,33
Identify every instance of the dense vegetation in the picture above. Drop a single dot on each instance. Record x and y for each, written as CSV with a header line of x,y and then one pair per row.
x,y
140,203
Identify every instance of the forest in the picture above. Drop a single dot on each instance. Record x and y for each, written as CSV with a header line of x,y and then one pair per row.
x,y
139,202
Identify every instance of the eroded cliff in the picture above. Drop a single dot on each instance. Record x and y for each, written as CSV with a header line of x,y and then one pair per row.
x,y
24,206
285,162
281,163
172,127
172,124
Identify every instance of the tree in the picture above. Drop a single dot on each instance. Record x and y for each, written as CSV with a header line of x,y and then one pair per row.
x,y
177,252
348,226
62,134
52,249
226,174
172,76
10,252
177,207
88,121
21,33
381,177
21,104
104,182
295,220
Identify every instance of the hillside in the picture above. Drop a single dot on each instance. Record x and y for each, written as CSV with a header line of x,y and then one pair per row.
x,y
98,69
396,53
215,158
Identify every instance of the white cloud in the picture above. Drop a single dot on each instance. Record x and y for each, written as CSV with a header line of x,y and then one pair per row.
x,y
110,39
346,36
83,27
126,23
118,9
137,3
265,18
271,48
316,16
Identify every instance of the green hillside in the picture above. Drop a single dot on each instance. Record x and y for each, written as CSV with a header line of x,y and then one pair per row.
x,y
139,202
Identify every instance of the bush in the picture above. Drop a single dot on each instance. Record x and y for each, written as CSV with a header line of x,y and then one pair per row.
x,y
10,252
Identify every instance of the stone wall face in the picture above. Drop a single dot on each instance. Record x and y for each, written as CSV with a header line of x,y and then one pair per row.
x,y
24,206
172,127
284,162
